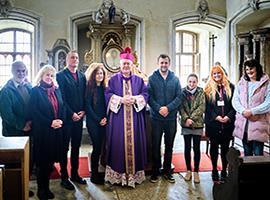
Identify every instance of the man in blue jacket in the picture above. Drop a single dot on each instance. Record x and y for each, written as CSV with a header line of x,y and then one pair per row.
x,y
164,100
72,84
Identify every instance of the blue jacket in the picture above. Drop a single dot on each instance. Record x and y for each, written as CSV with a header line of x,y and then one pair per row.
x,y
13,110
164,93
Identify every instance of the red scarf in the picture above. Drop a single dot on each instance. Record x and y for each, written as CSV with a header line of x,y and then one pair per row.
x,y
50,89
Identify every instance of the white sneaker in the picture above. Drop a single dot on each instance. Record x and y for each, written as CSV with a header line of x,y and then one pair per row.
x,y
196,177
188,176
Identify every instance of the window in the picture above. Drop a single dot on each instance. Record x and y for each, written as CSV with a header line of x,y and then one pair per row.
x,y
15,44
186,54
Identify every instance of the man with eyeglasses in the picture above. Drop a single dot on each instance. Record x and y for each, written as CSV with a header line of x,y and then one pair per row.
x,y
14,98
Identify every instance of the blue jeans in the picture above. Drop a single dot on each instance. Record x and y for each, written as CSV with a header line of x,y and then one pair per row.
x,y
253,148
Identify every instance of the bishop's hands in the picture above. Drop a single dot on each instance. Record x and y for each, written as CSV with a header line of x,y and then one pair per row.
x,y
128,100
57,123
163,110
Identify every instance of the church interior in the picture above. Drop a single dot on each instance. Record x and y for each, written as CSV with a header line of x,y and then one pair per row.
x,y
196,34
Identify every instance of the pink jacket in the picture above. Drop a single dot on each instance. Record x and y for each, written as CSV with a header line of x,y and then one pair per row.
x,y
259,126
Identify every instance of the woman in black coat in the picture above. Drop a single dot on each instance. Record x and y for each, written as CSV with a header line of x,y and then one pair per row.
x,y
219,118
47,116
96,115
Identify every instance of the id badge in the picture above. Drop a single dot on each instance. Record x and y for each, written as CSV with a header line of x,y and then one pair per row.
x,y
220,103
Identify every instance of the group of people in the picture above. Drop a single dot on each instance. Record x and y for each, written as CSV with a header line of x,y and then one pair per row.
x,y
52,114
227,111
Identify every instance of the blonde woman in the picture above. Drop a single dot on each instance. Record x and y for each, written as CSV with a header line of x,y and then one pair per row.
x,y
47,116
96,119
219,118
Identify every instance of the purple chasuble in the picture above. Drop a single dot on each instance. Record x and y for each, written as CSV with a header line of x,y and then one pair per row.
x,y
126,136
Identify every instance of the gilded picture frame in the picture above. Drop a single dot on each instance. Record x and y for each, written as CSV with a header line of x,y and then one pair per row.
x,y
111,57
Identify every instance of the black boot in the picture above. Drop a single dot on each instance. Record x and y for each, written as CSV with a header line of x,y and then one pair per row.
x,y
50,195
42,194
223,175
215,176
97,178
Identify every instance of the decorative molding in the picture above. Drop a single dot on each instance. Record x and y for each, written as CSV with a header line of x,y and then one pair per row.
x,y
254,4
193,18
5,8
203,10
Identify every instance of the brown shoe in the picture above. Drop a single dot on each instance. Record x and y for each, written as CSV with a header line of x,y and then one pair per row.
x,y
196,177
188,176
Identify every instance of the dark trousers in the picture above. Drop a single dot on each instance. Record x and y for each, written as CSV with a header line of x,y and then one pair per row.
x,y
253,148
169,129
196,149
97,135
73,133
224,147
44,171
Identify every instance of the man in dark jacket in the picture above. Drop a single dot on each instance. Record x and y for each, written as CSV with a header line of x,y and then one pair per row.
x,y
164,99
14,98
72,85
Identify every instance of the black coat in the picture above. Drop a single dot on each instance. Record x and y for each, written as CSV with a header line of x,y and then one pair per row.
x,y
73,92
48,142
213,127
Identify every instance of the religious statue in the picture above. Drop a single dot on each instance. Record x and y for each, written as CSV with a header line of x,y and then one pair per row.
x,y
254,4
5,7
111,13
203,10
98,16
125,17
107,4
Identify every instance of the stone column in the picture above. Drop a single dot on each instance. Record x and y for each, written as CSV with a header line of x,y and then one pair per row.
x,y
245,49
262,39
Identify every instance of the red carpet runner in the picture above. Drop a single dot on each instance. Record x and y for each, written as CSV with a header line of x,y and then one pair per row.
x,y
180,165
178,161
83,168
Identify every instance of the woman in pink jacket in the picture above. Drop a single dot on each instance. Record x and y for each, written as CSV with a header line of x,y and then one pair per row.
x,y
251,100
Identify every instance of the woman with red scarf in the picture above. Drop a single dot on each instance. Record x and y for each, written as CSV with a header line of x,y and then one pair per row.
x,y
47,116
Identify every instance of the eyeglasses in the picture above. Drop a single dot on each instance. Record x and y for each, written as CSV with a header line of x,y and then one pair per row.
x,y
20,70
